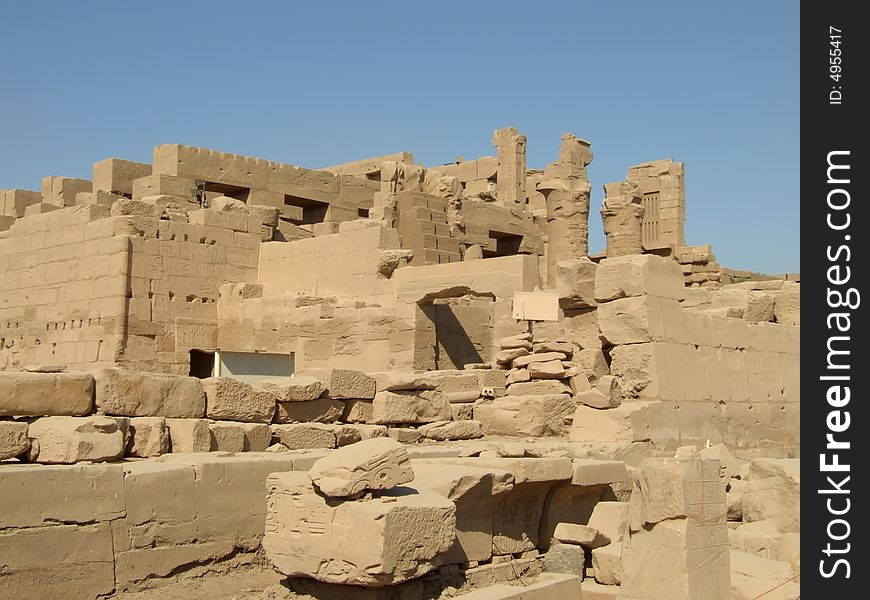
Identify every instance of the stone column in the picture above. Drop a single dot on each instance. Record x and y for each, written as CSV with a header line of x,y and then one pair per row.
x,y
622,214
511,155
566,189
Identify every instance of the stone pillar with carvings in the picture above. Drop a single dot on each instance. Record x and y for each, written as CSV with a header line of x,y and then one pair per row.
x,y
565,187
622,213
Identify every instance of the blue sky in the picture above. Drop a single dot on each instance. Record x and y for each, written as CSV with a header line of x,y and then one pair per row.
x,y
712,84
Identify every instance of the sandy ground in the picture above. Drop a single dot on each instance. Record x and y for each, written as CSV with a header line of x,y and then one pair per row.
x,y
248,584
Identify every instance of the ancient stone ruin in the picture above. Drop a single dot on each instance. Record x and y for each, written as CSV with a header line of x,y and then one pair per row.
x,y
381,380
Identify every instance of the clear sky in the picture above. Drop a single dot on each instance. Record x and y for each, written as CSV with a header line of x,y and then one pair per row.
x,y
712,84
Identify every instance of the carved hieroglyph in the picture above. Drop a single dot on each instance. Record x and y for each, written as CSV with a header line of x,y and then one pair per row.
x,y
566,188
370,465
622,213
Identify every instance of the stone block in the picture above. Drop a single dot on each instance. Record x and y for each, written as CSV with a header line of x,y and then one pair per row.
x,y
343,384
13,439
575,283
298,436
537,357
452,430
588,472
607,564
232,436
116,176
149,436
189,435
376,464
534,415
346,434
321,410
627,422
773,493
539,387
756,577
566,558
140,394
233,400
89,493
584,535
410,407
638,275
384,541
46,394
66,440
294,389
552,369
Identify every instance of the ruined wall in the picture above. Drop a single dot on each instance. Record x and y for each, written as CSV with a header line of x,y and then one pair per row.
x,y
661,185
63,283
719,379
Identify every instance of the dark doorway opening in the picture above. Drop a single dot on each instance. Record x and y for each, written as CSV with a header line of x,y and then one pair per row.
x,y
201,364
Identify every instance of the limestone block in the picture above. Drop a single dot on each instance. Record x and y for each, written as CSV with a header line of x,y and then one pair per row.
x,y
760,308
666,488
64,561
520,340
607,393
549,586
627,422
380,542
116,175
140,394
394,381
537,357
346,435
377,464
266,215
566,558
566,348
344,384
475,491
638,275
539,387
357,411
189,435
517,376
611,519
584,535
13,439
321,410
136,208
406,435
588,472
149,436
452,430
787,307
607,564
508,355
61,191
676,559
66,440
773,492
231,436
40,208
403,407
534,415
52,494
729,464
552,369
753,577
462,412
297,436
632,320
575,283
49,394
233,400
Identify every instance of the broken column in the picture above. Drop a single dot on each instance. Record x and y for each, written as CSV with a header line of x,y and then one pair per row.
x,y
678,537
511,155
622,213
566,189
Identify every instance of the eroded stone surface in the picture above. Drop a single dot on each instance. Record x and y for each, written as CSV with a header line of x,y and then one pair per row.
x,y
376,464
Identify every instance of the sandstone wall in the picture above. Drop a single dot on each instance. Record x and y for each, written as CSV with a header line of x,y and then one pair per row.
x,y
63,284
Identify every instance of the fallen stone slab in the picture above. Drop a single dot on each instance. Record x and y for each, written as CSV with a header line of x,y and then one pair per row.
x,y
13,439
590,471
506,357
383,541
139,394
343,384
405,435
452,430
410,407
67,440
392,381
46,394
521,340
538,388
377,464
584,535
552,369
773,493
611,519
294,389
299,436
233,400
753,577
607,564
629,421
189,435
149,436
347,434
